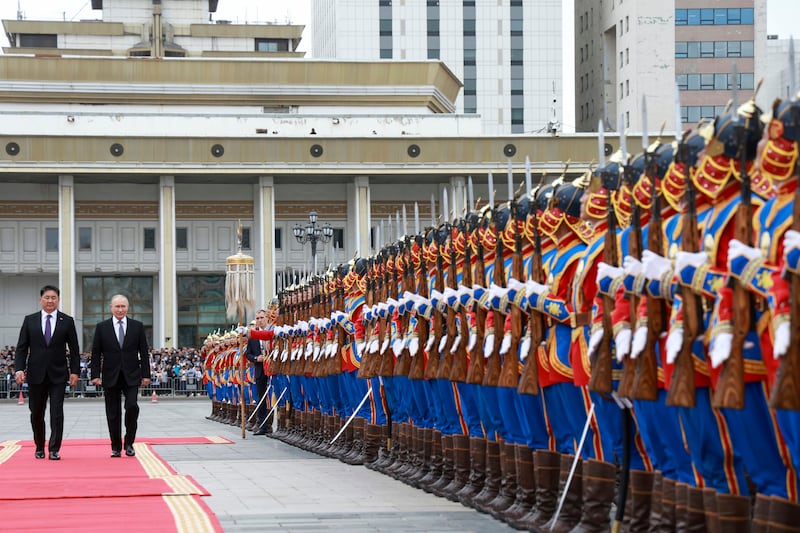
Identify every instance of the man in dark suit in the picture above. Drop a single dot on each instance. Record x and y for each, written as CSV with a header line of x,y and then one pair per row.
x,y
255,354
42,360
120,363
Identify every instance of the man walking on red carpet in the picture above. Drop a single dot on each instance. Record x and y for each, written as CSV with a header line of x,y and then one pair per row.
x,y
120,362
41,360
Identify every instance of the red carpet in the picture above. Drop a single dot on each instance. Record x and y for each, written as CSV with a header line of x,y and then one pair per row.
x,y
89,491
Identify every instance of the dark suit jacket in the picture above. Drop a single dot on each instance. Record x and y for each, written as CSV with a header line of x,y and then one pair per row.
x,y
109,360
252,351
39,360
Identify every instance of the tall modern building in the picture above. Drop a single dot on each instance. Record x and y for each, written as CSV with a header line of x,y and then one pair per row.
x,y
133,146
714,51
508,54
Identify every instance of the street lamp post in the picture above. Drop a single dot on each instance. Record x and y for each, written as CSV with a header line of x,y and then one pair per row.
x,y
313,233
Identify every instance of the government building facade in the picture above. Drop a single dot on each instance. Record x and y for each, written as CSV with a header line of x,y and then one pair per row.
x,y
134,146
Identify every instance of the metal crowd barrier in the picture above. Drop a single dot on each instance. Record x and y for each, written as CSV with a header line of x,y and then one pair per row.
x,y
173,387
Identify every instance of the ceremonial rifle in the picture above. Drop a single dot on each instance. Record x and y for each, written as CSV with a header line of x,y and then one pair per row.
x,y
366,370
509,376
493,365
446,361
529,380
646,384
682,387
335,365
601,378
403,364
786,391
308,297
477,363
387,357
627,384
461,360
417,370
432,368
730,386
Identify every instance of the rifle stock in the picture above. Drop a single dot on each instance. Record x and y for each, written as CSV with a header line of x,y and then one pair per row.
x,y
432,368
417,370
445,357
389,287
403,365
477,363
510,374
601,378
645,385
493,365
786,391
461,361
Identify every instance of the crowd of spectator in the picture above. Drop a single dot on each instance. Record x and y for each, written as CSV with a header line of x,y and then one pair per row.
x,y
170,368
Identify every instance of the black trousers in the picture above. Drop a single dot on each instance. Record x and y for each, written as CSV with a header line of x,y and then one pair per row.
x,y
113,395
262,383
38,396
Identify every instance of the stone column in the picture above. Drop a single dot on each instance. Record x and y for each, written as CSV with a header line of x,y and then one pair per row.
x,y
167,278
265,240
358,208
66,243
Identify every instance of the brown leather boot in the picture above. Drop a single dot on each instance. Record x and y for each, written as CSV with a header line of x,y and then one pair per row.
x,y
477,473
710,509
733,513
526,486
426,438
414,456
403,441
641,496
435,465
491,484
547,468
460,467
388,452
599,480
356,455
508,482
656,505
784,516
448,464
760,522
667,522
570,514
372,443
696,516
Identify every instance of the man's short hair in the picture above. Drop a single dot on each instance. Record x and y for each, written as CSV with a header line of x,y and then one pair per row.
x,y
49,288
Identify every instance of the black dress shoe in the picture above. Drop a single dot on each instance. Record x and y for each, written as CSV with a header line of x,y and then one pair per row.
x,y
54,456
39,454
260,432
129,451
115,453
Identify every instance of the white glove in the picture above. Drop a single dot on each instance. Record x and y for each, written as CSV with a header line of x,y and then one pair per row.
x,y
737,248
373,345
360,348
334,349
284,356
488,345
640,341
531,287
604,270
413,346
310,348
631,266
473,339
397,347
456,344
505,344
315,355
429,344
782,336
720,349
655,266
241,330
623,343
791,239
594,341
689,259
524,347
674,343
442,342
385,345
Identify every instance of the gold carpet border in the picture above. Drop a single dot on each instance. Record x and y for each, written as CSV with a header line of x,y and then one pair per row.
x,y
189,516
8,449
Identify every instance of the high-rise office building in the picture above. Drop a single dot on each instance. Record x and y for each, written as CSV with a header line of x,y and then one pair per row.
x,y
508,54
713,51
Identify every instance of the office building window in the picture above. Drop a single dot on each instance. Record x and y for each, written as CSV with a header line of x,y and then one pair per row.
x,y
246,238
714,17
278,238
338,238
181,238
38,40
694,49
201,307
51,239
149,238
84,239
272,45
